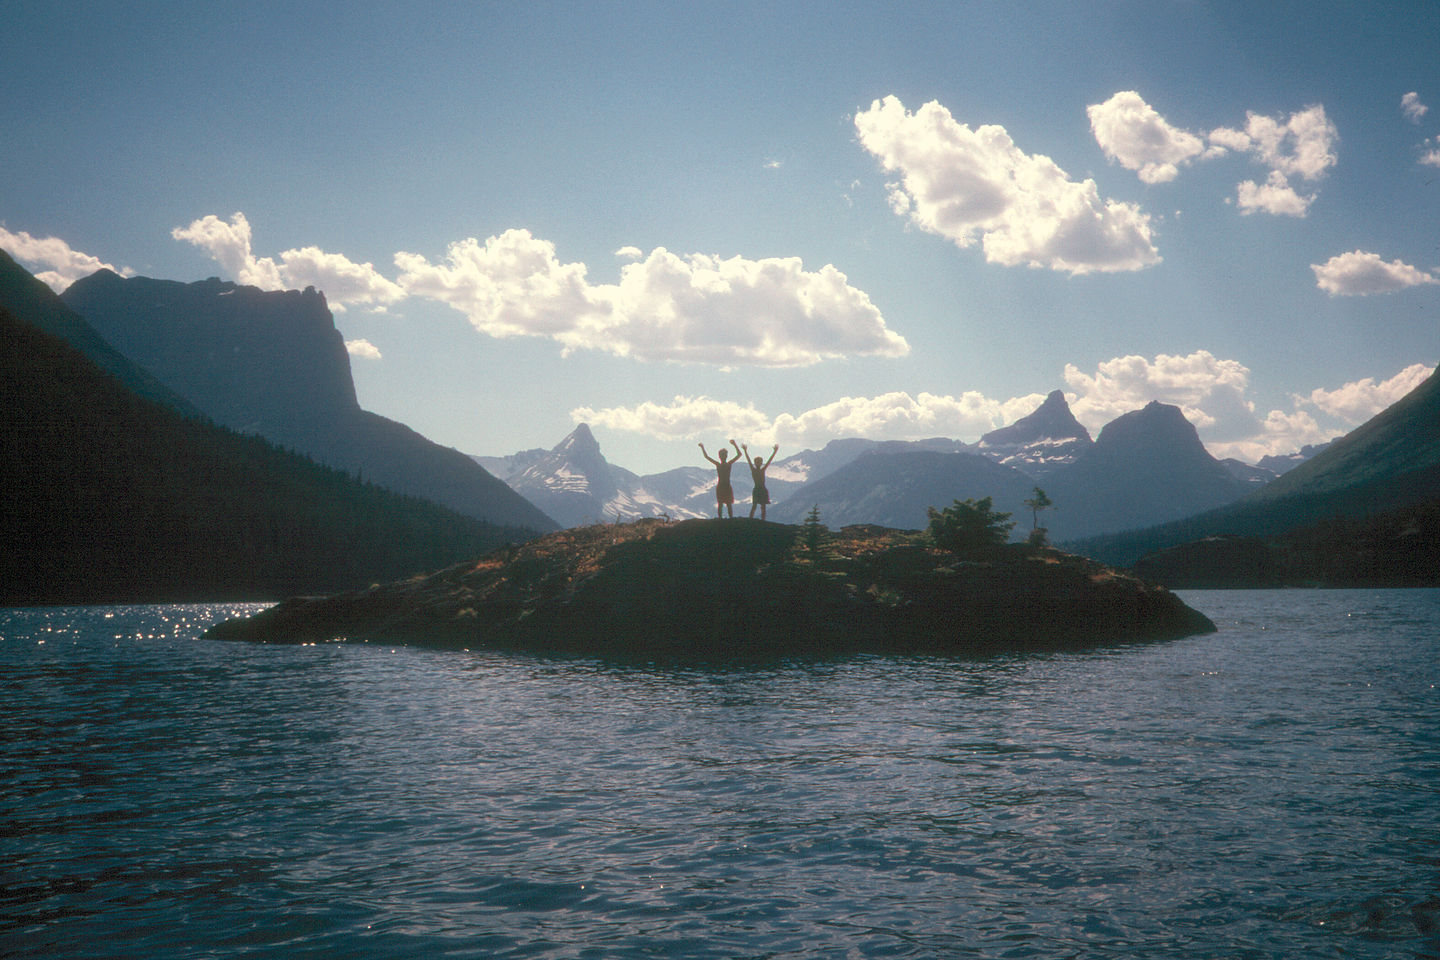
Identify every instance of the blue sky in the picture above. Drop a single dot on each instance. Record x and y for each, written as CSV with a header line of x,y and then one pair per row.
x,y
779,222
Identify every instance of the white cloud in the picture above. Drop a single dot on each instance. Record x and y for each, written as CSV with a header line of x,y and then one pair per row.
x,y
892,416
1430,156
1359,273
1411,106
1279,434
1301,146
976,185
51,259
1129,130
1209,390
1275,196
1356,402
343,281
630,253
698,308
363,349
684,418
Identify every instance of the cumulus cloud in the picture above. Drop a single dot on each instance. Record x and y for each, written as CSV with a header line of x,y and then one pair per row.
x,y
1356,402
363,349
696,308
1131,132
974,186
1358,274
1301,146
1209,390
1323,415
51,259
684,418
892,416
1411,106
343,281
1430,152
1274,196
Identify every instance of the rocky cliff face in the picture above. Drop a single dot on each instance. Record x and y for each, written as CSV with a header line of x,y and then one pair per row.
x,y
272,363
266,362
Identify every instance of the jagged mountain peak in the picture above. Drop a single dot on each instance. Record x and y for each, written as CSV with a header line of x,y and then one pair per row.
x,y
1051,420
1044,440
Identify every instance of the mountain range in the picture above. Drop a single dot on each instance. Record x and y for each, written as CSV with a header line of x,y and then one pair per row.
x,y
1388,465
1146,467
273,363
116,490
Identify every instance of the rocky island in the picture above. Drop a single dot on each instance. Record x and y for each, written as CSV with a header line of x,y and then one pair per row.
x,y
711,589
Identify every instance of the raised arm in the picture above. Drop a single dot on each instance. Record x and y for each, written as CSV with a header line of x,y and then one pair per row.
x,y
707,456
774,451
736,446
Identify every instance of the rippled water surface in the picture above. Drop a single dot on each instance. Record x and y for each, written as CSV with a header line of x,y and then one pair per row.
x,y
1272,790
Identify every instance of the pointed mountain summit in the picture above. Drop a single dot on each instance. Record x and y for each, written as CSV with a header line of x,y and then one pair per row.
x,y
273,363
1043,441
572,483
1146,467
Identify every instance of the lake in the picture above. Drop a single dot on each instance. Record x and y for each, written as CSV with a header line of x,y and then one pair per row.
x,y
1272,790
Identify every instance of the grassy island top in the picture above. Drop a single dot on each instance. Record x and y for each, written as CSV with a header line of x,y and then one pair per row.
x,y
723,589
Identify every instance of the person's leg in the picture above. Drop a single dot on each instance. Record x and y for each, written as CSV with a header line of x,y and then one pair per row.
x,y
762,511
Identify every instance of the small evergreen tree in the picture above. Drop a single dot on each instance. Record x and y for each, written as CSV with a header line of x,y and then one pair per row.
x,y
967,526
812,535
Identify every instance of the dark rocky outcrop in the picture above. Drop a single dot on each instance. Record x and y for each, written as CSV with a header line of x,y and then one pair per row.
x,y
718,590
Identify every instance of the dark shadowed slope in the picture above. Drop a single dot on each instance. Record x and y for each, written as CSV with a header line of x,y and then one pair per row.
x,y
34,303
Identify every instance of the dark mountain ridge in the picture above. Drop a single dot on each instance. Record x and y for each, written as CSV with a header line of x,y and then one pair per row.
x,y
273,363
1146,467
1389,463
111,496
